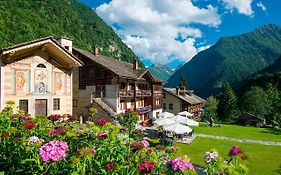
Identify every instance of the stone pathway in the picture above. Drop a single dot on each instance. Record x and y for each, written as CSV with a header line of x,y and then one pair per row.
x,y
239,139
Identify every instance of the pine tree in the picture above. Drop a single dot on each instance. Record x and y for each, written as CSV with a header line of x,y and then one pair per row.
x,y
227,107
183,83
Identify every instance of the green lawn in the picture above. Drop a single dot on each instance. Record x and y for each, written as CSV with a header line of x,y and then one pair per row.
x,y
240,132
263,159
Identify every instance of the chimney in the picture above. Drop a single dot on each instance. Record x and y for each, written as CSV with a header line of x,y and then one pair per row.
x,y
96,50
135,64
178,90
66,43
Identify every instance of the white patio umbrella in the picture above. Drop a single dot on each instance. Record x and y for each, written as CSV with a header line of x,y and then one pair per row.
x,y
166,114
185,120
185,113
178,128
164,121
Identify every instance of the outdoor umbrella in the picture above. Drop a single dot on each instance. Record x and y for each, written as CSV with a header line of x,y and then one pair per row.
x,y
164,121
184,120
178,128
185,113
166,114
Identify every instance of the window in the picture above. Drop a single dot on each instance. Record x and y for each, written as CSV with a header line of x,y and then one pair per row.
x,y
56,104
41,66
171,106
164,105
157,101
23,105
74,103
66,47
164,95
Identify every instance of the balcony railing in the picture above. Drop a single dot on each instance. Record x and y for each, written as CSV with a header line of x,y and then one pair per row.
x,y
143,93
157,92
139,93
126,93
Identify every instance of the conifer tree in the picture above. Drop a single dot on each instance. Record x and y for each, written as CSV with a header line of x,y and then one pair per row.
x,y
183,83
227,107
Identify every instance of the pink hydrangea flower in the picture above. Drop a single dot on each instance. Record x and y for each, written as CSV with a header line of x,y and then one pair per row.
x,y
180,164
54,151
145,143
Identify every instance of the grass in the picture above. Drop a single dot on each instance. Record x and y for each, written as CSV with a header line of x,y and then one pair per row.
x,y
240,132
262,160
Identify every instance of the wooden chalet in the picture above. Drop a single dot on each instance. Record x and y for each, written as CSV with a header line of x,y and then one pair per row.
x,y
115,86
177,100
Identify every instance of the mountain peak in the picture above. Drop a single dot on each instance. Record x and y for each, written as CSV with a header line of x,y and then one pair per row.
x,y
231,60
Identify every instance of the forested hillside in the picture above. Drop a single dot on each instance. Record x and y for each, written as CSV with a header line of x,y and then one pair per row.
x,y
231,60
22,21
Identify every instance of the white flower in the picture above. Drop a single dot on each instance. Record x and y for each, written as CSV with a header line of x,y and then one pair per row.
x,y
34,140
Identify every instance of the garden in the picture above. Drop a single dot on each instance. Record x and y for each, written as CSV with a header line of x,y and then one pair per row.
x,y
60,145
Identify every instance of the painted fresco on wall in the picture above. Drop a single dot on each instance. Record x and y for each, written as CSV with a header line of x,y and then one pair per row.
x,y
20,81
59,83
41,81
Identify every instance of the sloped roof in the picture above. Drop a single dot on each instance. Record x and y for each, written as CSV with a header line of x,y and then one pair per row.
x,y
50,38
187,96
120,68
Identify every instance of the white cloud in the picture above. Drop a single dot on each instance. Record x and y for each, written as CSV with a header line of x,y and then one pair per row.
x,y
152,27
242,6
260,5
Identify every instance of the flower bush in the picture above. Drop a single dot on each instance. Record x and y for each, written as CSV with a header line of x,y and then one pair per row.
x,y
232,164
43,146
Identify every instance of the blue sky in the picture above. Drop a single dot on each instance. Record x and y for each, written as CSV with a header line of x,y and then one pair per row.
x,y
173,31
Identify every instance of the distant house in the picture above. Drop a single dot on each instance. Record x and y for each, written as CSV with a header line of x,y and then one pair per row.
x,y
115,86
37,76
251,120
176,100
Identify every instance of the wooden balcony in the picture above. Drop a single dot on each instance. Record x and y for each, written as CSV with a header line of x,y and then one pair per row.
x,y
139,93
157,92
143,93
126,93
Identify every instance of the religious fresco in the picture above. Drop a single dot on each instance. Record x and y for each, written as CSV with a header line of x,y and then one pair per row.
x,y
59,83
41,81
20,81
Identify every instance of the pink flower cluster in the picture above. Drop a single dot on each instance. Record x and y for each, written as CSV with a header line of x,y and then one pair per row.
x,y
145,143
54,151
180,164
210,156
101,122
57,131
